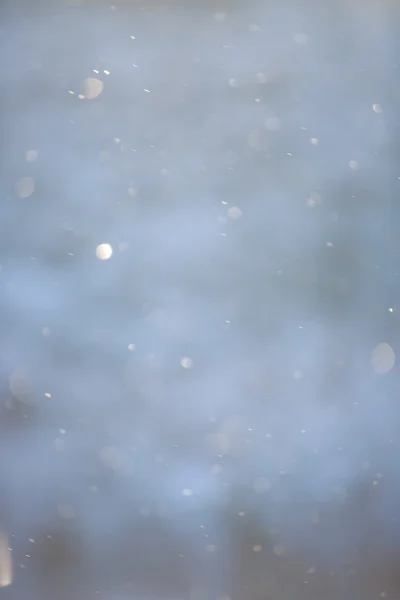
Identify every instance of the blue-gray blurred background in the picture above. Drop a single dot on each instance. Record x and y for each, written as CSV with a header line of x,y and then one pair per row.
x,y
199,299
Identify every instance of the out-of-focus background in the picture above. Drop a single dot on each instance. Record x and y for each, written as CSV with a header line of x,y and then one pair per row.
x,y
199,299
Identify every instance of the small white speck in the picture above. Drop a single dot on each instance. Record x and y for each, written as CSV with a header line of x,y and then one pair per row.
x,y
132,37
233,82
187,492
377,108
106,72
353,164
314,141
146,90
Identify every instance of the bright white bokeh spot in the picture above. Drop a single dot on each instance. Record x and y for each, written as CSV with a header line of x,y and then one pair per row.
x,y
25,187
6,570
92,88
186,362
383,358
104,251
377,108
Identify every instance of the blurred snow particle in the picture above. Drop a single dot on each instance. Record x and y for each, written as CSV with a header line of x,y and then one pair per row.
x,y
20,385
313,200
233,82
187,492
257,548
314,141
273,123
112,457
66,511
92,88
253,139
186,362
261,485
298,374
353,164
132,192
6,575
220,16
278,549
131,347
383,358
377,108
300,38
261,77
234,212
31,155
104,251
25,187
